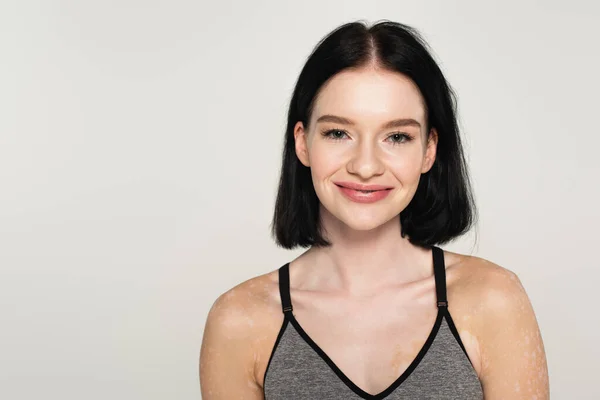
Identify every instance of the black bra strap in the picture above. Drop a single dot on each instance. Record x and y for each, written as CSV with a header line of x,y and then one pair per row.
x,y
284,288
439,270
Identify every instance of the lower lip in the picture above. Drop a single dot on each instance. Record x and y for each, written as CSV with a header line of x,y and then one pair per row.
x,y
360,197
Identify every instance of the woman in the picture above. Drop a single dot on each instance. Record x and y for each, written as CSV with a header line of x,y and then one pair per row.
x,y
373,180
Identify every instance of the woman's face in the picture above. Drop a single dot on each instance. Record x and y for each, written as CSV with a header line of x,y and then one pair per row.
x,y
367,127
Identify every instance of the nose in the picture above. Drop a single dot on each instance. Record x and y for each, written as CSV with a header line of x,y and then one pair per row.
x,y
365,161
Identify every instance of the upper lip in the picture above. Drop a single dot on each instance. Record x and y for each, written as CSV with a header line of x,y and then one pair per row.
x,y
359,186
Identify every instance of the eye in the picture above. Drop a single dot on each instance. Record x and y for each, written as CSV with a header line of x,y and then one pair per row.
x,y
399,138
335,134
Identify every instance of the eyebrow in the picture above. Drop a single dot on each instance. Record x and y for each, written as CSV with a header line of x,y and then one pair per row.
x,y
395,123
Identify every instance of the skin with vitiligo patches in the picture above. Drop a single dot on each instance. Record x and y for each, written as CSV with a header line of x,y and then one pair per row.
x,y
403,356
509,359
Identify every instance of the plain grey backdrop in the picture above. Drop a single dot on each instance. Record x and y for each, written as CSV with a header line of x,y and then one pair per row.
x,y
140,146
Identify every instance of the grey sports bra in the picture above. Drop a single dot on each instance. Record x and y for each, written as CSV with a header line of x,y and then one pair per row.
x,y
299,369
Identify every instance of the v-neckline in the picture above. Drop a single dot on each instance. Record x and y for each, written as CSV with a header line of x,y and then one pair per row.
x,y
344,378
439,272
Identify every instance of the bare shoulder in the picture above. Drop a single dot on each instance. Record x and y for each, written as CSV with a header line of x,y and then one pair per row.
x,y
241,305
485,285
242,311
494,315
240,325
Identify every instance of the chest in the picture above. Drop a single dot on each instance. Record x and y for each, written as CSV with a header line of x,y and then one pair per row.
x,y
372,351
371,344
300,368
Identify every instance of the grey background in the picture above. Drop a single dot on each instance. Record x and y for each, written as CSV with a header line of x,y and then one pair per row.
x,y
139,154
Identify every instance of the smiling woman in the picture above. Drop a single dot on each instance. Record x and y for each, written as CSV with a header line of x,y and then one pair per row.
x,y
373,181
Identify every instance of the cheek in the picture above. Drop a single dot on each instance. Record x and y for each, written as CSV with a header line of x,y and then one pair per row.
x,y
325,161
406,165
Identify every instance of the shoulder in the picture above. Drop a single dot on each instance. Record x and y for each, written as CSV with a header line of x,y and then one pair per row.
x,y
486,285
493,312
241,323
241,309
495,297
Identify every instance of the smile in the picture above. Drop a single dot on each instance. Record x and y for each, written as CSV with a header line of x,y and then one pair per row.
x,y
364,196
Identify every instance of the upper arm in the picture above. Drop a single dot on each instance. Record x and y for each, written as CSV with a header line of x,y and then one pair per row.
x,y
512,352
226,355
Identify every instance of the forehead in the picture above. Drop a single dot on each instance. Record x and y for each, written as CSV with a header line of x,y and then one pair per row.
x,y
370,95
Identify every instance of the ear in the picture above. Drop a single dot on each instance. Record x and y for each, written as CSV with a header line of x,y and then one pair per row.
x,y
301,143
430,151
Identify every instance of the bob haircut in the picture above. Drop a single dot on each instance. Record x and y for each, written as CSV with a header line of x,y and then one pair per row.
x,y
442,207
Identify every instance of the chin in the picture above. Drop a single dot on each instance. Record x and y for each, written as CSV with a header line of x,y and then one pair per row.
x,y
366,222
363,226
360,218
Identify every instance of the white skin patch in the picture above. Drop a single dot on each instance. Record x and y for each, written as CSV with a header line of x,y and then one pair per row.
x,y
493,314
513,359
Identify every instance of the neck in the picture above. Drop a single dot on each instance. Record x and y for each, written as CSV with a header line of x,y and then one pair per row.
x,y
361,262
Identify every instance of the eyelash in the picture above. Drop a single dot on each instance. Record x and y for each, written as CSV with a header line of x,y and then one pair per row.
x,y
407,138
